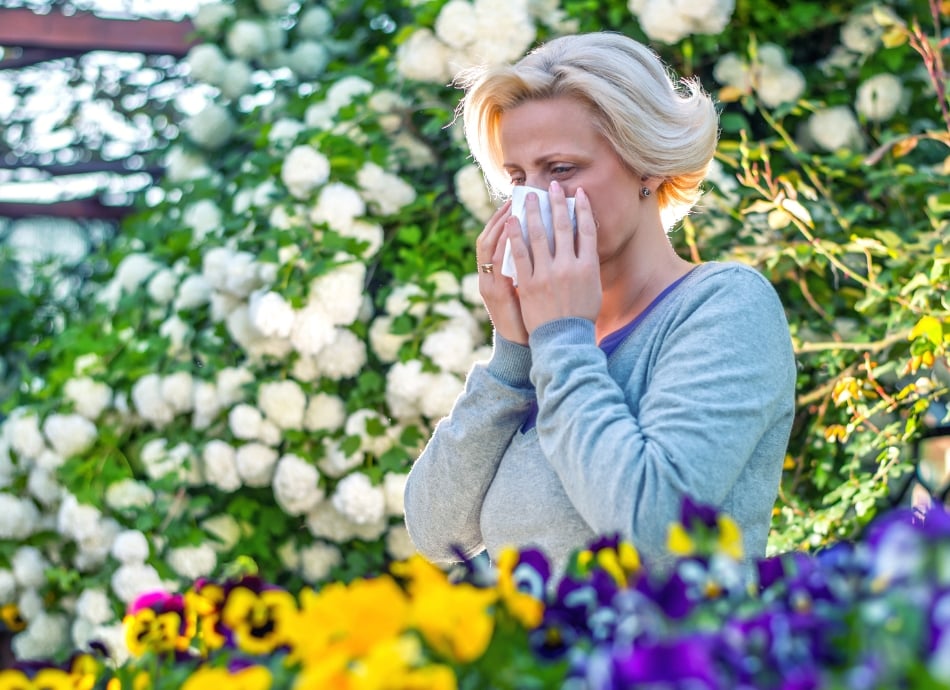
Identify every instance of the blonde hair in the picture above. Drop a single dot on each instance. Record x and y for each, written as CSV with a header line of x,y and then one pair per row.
x,y
659,127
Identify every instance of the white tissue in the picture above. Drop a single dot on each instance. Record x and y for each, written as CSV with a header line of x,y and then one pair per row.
x,y
518,196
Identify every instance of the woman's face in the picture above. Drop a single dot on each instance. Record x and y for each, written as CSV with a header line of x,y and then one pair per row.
x,y
555,139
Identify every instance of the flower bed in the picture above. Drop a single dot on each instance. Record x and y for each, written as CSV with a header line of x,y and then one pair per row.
x,y
874,614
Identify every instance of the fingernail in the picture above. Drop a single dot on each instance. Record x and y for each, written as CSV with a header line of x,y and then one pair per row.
x,y
554,186
580,193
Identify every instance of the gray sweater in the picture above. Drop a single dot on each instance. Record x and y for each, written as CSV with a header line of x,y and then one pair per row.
x,y
697,400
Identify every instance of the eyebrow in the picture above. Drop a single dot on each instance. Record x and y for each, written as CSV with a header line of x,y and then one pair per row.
x,y
543,159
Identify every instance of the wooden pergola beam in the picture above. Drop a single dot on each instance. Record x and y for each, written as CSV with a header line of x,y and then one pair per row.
x,y
83,32
75,208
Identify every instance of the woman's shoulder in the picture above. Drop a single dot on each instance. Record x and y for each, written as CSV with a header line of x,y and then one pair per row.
x,y
727,277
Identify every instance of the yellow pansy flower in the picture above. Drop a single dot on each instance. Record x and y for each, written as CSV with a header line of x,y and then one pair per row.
x,y
526,608
251,678
148,630
260,621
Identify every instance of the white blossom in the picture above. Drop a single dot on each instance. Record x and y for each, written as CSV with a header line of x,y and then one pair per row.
x,y
133,579
338,205
245,422
194,291
21,430
182,165
325,412
29,567
283,402
247,39
219,466
161,286
224,530
204,218
363,231
211,128
149,402
130,547
317,561
384,343
394,488
8,585
315,22
211,15
50,460
89,397
177,332
457,25
30,603
879,97
206,62
255,464
423,57
192,562
672,20
127,493
93,549
441,392
406,299
326,522
344,357
271,314
93,605
450,348
335,463
236,80
834,128
43,638
399,544
308,59
230,383
296,485
303,170
313,330
205,403
472,191
178,391
861,33
160,461
20,517
358,500
133,270
76,520
43,486
385,192
274,6
283,133
69,434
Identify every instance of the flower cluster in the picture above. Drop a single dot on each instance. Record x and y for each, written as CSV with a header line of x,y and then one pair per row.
x,y
876,610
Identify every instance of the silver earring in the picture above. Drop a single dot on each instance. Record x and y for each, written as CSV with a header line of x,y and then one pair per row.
x,y
644,192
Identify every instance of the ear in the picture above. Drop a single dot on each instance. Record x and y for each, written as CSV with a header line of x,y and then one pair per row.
x,y
651,183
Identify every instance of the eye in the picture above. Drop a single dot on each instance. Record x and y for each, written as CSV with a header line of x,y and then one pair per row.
x,y
561,169
517,180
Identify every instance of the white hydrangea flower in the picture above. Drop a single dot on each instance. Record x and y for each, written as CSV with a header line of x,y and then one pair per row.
x,y
204,217
283,133
178,391
303,170
8,585
94,548
423,57
394,487
274,6
385,192
245,422
69,434
308,59
182,165
315,22
470,293
401,301
405,387
384,343
335,463
342,358
89,397
43,638
296,485
94,606
160,461
130,547
457,25
230,383
283,402
132,580
161,286
861,33
225,530
338,205
76,520
325,412
206,62
880,97
358,500
473,193
134,270
21,431
214,266
777,85
30,604
313,330
317,560
255,464
29,567
236,80
205,403
211,15
242,274
219,466
441,392
177,332
20,517
339,293
50,460
194,291
211,128
356,425
192,562
326,522
43,486
834,128
500,41
399,544
129,493
247,39
671,21
223,305
149,402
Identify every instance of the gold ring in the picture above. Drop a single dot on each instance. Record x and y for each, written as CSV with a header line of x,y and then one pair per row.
x,y
486,268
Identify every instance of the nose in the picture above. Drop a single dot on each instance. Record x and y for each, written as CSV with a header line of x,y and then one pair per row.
x,y
538,180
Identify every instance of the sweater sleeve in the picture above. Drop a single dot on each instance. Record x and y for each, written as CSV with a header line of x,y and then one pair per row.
x,y
446,485
722,375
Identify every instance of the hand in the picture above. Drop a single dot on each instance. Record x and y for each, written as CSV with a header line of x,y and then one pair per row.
x,y
497,291
566,283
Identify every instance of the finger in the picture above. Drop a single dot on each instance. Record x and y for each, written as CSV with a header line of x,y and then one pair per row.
x,y
520,253
586,227
561,221
487,241
537,236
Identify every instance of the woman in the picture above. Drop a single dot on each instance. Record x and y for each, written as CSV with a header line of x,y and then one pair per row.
x,y
622,377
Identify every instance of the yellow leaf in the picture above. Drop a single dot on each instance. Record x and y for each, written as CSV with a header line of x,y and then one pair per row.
x,y
779,219
760,206
894,37
928,327
730,94
799,211
904,146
